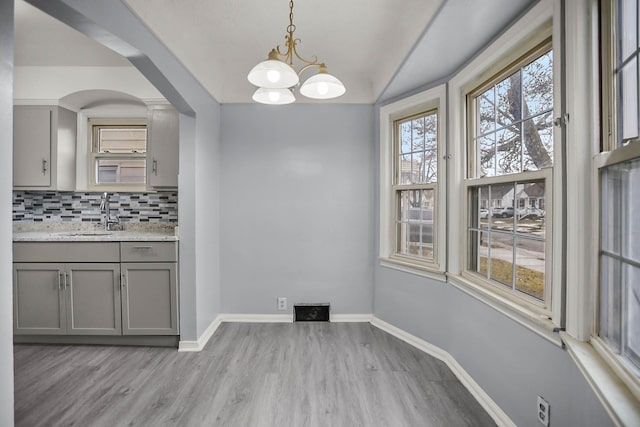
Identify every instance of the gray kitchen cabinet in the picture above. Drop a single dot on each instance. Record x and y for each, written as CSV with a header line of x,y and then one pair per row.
x,y
39,304
149,299
162,148
95,288
44,148
149,288
93,299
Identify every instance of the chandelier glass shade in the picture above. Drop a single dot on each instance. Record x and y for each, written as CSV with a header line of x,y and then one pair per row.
x,y
276,76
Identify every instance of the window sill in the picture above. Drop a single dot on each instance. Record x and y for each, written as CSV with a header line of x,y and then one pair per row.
x,y
412,268
618,400
535,322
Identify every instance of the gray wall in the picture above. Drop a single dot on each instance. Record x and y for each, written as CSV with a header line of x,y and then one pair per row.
x,y
297,204
6,179
511,364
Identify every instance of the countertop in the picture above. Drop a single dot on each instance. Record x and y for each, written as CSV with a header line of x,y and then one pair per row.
x,y
71,232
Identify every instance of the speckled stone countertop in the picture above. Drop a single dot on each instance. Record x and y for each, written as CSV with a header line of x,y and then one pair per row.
x,y
91,232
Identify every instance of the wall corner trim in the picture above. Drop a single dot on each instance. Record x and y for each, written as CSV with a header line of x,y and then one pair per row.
x,y
498,415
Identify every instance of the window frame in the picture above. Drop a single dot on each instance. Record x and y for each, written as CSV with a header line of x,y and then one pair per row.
x,y
433,99
542,309
610,153
93,124
398,188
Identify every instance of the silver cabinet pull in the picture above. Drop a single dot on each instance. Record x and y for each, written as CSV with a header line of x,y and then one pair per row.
x,y
44,166
60,274
122,280
143,247
65,280
154,166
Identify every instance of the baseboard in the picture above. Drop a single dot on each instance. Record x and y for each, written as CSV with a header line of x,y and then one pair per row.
x,y
202,339
257,318
498,415
351,317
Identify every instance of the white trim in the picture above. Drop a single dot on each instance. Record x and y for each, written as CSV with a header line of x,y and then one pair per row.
x,y
198,345
344,318
410,268
257,318
427,100
49,102
617,399
498,415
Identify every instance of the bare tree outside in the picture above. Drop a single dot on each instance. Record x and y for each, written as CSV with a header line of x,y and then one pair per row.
x,y
515,121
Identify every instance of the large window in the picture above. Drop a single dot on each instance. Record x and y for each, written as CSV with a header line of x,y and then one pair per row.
x,y
416,175
118,154
510,123
618,171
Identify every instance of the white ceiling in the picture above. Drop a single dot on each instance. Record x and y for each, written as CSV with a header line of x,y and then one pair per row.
x,y
365,43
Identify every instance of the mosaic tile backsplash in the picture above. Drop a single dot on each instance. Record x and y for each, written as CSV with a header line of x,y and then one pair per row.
x,y
54,206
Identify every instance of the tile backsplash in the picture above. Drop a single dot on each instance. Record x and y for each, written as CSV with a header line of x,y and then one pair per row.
x,y
55,206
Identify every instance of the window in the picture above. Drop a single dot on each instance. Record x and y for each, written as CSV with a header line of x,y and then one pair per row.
x,y
618,171
412,203
118,154
510,157
416,175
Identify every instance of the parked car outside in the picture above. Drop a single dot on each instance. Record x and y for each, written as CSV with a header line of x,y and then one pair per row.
x,y
506,212
484,214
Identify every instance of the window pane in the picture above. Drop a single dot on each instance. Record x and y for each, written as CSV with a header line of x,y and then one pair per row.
x,y
486,112
538,143
629,100
531,216
120,171
610,299
487,146
508,150
479,253
502,258
502,206
537,86
417,134
404,169
632,348
630,210
508,93
627,28
530,267
405,137
415,226
431,132
122,140
610,210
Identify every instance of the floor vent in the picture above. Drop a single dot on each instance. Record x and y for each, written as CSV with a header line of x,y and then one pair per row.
x,y
311,312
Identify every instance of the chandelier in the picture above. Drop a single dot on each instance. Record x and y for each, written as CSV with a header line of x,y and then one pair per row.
x,y
275,77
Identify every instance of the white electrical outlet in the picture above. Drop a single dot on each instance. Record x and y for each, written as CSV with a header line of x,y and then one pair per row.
x,y
282,303
543,411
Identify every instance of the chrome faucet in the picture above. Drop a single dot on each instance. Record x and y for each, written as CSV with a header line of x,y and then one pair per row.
x,y
106,209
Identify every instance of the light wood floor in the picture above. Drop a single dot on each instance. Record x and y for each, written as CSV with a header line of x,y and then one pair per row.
x,y
278,374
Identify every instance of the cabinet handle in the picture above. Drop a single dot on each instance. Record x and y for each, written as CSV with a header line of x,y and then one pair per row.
x,y
44,166
122,280
154,166
65,279
143,247
60,273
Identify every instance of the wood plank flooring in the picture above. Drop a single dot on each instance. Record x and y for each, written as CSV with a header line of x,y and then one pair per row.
x,y
270,374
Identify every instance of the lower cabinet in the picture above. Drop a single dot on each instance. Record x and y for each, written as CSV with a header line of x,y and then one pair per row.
x,y
149,303
95,298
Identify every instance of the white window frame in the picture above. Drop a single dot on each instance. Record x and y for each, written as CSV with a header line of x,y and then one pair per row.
x,y
429,100
93,155
531,30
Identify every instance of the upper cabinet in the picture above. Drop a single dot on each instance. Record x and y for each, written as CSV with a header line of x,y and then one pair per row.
x,y
163,148
44,148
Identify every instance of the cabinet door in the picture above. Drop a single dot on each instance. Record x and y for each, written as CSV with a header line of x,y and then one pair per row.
x,y
32,139
38,299
162,154
93,299
149,299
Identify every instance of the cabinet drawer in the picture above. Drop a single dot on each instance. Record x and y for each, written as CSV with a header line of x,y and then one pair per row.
x,y
149,251
66,252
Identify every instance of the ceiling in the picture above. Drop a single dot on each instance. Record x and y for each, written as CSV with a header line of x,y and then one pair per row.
x,y
378,48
